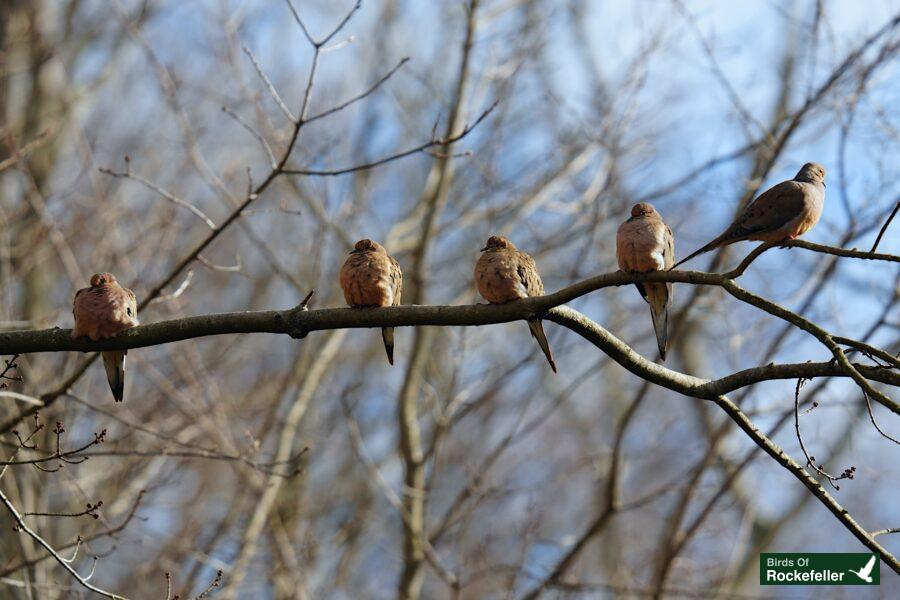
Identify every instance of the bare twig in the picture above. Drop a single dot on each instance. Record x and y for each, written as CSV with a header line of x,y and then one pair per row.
x,y
21,526
235,268
181,289
165,194
403,154
272,91
884,227
811,460
360,96
885,531
111,531
875,423
5,376
318,44
258,136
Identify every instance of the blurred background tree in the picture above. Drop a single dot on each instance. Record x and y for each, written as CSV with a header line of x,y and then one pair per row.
x,y
310,469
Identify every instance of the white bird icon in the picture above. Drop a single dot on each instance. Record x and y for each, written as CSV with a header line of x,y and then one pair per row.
x,y
865,572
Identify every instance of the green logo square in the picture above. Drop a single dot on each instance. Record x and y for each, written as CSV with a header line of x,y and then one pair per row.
x,y
819,568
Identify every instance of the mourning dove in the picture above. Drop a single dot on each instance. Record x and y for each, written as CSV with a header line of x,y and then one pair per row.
x,y
503,273
371,277
644,243
102,311
783,212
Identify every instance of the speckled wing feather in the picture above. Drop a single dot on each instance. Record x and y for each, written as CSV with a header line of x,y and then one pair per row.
x,y
528,275
396,281
669,256
771,211
531,280
660,296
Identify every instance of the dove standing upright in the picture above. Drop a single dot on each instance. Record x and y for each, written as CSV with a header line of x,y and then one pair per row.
x,y
371,277
503,273
783,212
644,243
102,311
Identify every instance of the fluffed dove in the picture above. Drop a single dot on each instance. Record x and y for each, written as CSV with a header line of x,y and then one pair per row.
x,y
644,243
102,311
371,277
503,273
783,212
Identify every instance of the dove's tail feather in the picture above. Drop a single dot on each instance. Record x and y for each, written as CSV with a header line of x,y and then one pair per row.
x,y
732,235
658,298
537,331
387,334
710,246
114,363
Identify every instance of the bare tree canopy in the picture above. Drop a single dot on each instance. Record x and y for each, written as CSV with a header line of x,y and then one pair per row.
x,y
222,158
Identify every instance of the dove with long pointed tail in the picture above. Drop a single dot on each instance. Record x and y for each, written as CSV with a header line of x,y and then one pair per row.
x,y
503,273
783,212
644,243
102,311
371,277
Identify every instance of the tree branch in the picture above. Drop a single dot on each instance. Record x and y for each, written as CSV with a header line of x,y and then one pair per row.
x,y
603,339
20,524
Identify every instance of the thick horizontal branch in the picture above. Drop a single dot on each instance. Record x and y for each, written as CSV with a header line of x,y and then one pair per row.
x,y
298,322
697,387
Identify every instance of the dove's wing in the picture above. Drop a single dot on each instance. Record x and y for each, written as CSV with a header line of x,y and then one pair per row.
x,y
528,275
772,210
396,277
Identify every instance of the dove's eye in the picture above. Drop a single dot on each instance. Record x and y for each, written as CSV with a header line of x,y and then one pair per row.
x,y
128,310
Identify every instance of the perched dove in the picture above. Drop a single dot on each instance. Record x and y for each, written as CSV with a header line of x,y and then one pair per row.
x,y
783,212
645,243
503,273
102,311
371,277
